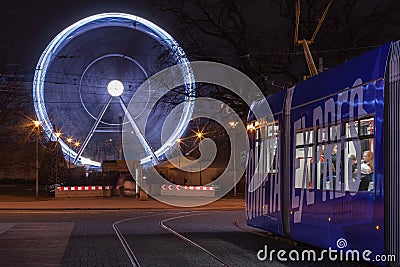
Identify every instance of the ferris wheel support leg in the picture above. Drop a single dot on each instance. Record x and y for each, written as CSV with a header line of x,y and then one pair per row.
x,y
149,150
89,136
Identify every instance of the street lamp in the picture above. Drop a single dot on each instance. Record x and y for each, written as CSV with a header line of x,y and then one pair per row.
x,y
233,126
69,141
37,125
179,158
58,135
77,144
199,136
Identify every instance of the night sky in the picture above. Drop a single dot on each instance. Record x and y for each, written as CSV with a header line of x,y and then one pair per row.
x,y
28,26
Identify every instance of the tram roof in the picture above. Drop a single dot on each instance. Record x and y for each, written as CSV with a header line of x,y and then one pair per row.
x,y
275,102
368,67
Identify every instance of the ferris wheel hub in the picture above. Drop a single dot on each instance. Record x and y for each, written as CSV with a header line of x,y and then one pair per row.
x,y
115,88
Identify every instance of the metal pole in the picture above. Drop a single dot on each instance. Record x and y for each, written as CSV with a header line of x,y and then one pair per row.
x,y
120,143
37,163
234,160
89,136
179,162
56,161
233,126
200,171
149,150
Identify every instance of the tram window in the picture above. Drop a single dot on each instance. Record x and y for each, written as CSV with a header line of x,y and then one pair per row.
x,y
333,132
303,156
364,154
271,130
302,160
267,143
353,125
258,137
321,135
305,137
299,138
272,147
362,127
367,127
367,157
357,147
326,166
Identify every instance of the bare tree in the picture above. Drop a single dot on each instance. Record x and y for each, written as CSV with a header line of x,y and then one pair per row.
x,y
13,96
257,37
351,27
17,132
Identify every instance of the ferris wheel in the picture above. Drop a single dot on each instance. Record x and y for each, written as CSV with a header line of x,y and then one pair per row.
x,y
90,71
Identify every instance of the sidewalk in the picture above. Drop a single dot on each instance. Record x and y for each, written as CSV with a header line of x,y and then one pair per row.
x,y
107,203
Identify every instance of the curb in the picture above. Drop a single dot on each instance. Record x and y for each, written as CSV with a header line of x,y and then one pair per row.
x,y
118,209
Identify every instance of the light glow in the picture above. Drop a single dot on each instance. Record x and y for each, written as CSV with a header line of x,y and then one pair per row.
x,y
37,123
115,88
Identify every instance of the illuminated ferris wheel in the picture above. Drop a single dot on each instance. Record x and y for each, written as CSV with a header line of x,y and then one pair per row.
x,y
88,74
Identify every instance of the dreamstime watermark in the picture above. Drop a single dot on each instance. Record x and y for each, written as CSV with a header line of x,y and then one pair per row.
x,y
339,254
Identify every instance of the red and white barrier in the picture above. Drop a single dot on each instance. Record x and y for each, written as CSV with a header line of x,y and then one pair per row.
x,y
83,188
185,187
83,191
188,190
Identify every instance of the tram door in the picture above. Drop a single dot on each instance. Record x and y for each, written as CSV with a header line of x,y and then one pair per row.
x,y
263,209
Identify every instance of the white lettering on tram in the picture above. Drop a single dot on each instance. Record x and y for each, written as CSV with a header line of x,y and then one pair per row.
x,y
328,117
259,201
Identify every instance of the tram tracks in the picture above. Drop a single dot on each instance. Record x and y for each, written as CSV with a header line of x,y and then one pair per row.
x,y
162,223
194,244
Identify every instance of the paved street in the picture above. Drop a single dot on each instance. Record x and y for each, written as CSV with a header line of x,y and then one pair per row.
x,y
87,238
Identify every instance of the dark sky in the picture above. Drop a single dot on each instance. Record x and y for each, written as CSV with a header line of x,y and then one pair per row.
x,y
28,26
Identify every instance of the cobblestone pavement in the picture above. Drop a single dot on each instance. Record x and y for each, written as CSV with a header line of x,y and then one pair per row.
x,y
34,243
86,238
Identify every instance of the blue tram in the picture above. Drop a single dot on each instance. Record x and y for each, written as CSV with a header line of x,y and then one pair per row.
x,y
327,167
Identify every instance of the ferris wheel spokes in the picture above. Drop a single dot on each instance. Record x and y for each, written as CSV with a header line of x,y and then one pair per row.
x,y
149,150
91,132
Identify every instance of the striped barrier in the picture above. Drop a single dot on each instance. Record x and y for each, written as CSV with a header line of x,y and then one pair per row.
x,y
83,188
188,190
83,191
186,187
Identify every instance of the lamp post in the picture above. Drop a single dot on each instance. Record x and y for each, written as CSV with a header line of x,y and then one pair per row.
x,y
77,144
179,158
233,126
37,125
58,135
200,172
199,136
69,141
